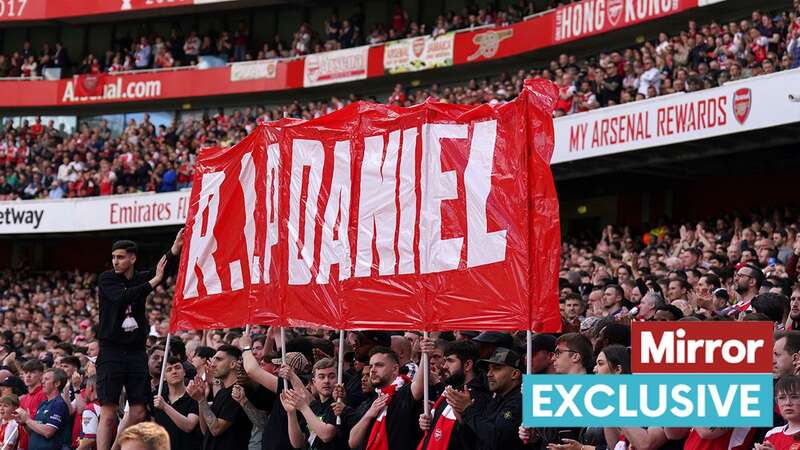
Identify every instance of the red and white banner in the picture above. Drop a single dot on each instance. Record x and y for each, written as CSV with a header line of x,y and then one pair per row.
x,y
337,66
434,217
750,104
588,17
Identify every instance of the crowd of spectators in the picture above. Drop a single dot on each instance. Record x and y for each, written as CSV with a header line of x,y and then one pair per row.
x,y
185,48
701,57
39,161
726,268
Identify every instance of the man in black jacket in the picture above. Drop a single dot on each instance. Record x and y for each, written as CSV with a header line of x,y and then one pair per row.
x,y
122,361
441,427
495,423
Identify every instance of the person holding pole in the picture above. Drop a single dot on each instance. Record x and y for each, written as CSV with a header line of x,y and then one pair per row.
x,y
282,425
176,411
387,417
496,422
442,429
122,361
318,410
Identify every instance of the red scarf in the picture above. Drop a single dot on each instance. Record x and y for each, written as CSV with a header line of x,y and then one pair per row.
x,y
378,440
442,429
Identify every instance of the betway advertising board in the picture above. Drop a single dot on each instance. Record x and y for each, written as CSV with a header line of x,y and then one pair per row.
x,y
750,104
94,213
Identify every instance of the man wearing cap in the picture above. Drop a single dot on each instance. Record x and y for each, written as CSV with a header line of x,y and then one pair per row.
x,y
122,361
442,429
496,424
276,429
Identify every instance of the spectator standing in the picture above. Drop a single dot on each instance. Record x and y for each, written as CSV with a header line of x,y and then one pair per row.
x,y
32,372
122,361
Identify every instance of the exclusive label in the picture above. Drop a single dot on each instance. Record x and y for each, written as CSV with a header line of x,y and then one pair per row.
x,y
690,400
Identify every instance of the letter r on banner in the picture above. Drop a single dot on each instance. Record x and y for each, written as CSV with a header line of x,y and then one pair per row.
x,y
202,246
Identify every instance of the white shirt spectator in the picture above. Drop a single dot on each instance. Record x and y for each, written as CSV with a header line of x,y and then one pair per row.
x,y
89,420
74,169
650,77
10,434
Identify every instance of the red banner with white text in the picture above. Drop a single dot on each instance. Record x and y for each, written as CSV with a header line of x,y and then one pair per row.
x,y
434,217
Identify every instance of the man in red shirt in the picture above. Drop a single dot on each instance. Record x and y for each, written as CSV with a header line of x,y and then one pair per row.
x,y
37,128
32,372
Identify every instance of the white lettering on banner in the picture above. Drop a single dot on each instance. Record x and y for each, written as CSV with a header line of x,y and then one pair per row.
x,y
203,244
594,16
15,8
337,216
273,164
408,201
304,153
482,247
377,214
437,254
247,178
385,201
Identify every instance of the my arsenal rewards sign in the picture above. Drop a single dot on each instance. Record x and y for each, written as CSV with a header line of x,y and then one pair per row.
x,y
434,217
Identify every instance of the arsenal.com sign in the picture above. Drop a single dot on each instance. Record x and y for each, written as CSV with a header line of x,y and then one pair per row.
x,y
735,107
590,17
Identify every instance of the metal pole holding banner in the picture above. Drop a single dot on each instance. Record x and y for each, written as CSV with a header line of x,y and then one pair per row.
x,y
283,354
528,363
529,353
164,365
340,374
425,393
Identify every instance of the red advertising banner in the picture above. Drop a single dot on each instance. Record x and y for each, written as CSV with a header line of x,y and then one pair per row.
x,y
434,217
589,17
502,42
